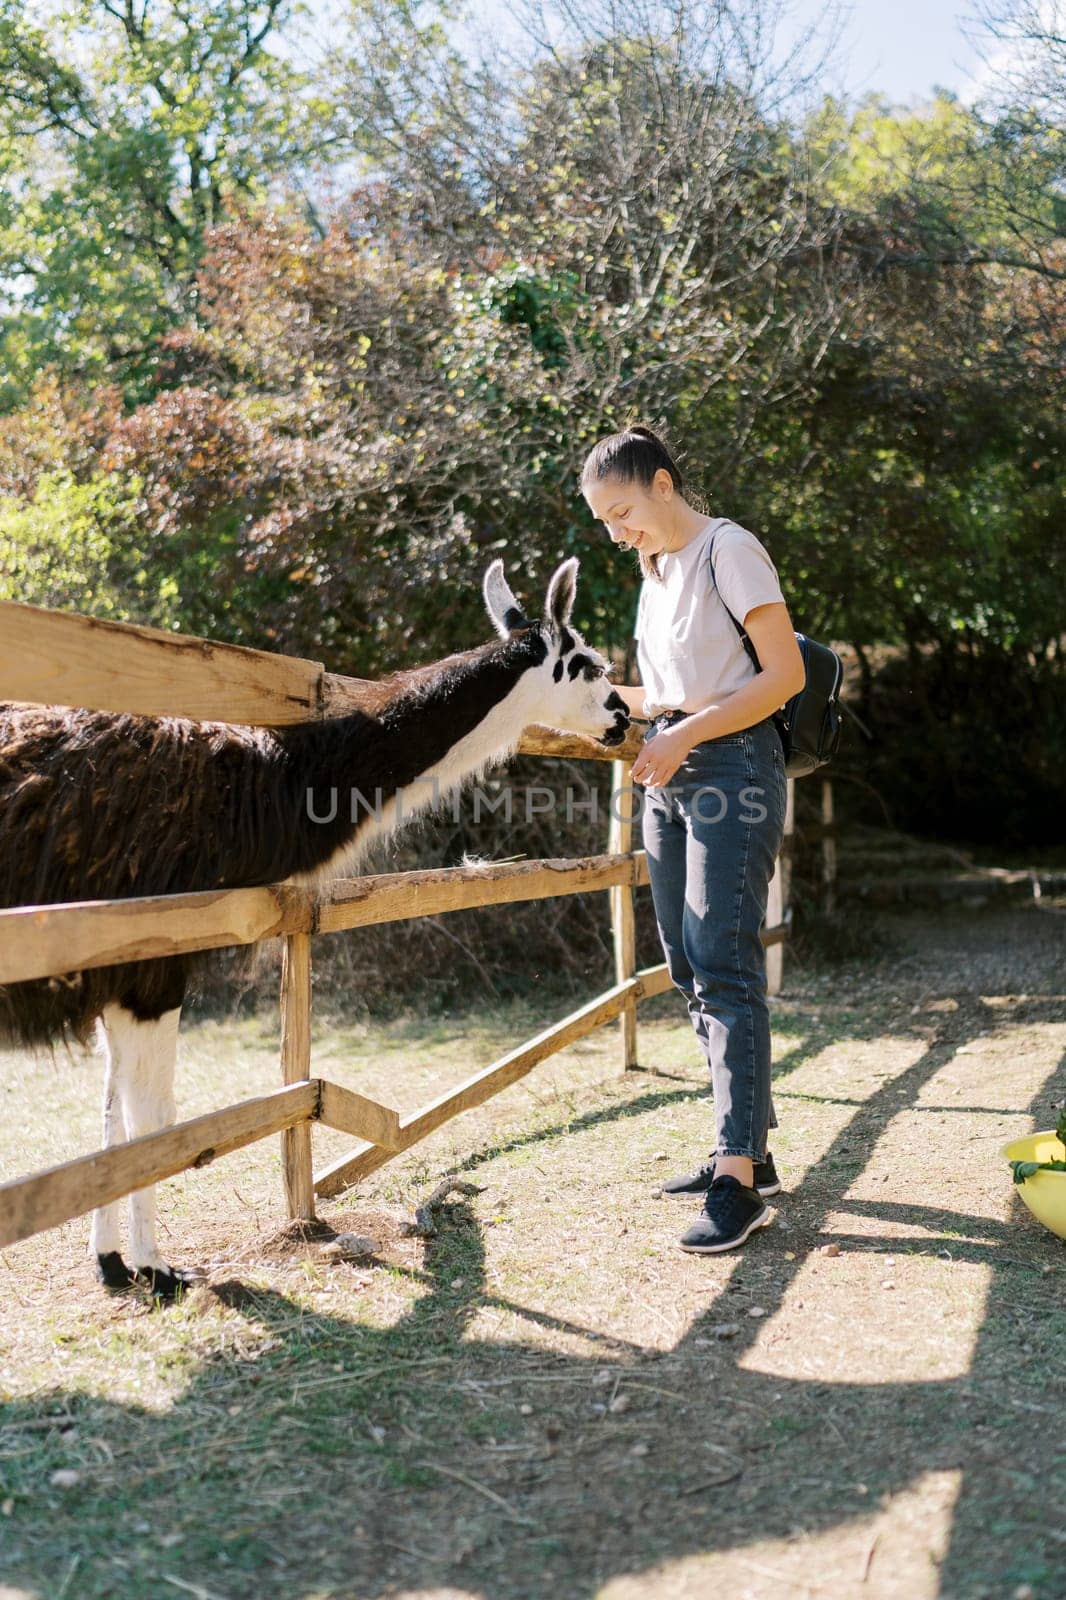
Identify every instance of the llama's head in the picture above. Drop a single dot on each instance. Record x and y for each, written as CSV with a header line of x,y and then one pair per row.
x,y
571,691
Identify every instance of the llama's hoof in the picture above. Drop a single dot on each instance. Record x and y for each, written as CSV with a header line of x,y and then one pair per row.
x,y
164,1283
112,1271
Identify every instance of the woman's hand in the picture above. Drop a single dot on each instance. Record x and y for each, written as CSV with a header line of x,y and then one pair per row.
x,y
660,757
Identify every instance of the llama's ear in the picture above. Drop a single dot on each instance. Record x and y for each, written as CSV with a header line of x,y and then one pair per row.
x,y
503,608
561,592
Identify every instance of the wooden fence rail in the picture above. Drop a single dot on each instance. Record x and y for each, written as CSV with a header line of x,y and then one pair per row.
x,y
45,941
61,658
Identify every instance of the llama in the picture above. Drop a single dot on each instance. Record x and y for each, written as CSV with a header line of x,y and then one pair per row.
x,y
103,805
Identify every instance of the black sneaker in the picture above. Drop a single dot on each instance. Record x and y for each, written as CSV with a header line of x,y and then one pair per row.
x,y
730,1212
766,1180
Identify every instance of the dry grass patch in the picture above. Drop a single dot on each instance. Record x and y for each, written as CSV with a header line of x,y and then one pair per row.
x,y
549,1395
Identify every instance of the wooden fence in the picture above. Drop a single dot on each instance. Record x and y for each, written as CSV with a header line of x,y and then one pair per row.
x,y
61,658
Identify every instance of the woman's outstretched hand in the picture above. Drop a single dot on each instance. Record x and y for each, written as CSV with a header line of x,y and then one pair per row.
x,y
660,758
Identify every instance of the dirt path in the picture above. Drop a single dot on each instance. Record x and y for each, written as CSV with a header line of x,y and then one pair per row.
x,y
551,1398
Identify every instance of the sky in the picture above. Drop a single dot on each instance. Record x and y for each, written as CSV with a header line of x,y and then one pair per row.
x,y
903,49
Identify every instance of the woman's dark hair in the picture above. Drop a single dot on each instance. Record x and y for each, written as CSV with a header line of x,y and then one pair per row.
x,y
635,454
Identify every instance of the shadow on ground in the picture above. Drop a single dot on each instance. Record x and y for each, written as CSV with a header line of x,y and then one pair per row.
x,y
342,1459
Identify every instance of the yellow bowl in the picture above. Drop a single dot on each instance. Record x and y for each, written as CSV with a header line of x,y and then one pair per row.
x,y
1045,1192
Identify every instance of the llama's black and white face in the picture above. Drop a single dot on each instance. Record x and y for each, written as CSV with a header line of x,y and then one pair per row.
x,y
571,690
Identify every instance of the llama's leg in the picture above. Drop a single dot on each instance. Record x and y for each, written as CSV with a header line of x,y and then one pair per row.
x,y
145,1054
104,1237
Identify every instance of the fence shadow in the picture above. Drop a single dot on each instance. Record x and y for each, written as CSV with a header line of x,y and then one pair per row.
x,y
341,1458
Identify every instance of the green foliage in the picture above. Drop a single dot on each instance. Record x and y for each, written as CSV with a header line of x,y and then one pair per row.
x,y
852,324
123,136
951,186
81,546
1026,1169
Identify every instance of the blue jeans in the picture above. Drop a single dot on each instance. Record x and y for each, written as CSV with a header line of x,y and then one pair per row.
x,y
712,835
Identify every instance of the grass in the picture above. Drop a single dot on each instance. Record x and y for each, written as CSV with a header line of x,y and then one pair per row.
x,y
549,1397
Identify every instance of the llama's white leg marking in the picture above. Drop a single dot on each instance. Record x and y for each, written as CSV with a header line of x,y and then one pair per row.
x,y
148,1104
142,1061
104,1232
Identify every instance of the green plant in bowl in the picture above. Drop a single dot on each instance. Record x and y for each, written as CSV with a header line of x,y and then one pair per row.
x,y
1025,1169
1039,1167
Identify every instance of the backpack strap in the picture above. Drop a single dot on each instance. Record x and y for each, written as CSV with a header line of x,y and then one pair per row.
x,y
749,647
780,718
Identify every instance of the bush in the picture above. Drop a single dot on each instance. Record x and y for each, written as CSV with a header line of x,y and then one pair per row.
x,y
971,747
82,547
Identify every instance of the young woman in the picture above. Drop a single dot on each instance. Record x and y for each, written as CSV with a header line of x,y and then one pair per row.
x,y
713,815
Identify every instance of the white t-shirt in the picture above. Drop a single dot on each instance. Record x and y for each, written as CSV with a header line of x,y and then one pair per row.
x,y
688,650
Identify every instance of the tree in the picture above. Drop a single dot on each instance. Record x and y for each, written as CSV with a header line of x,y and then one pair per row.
x,y
125,130
1024,47
637,194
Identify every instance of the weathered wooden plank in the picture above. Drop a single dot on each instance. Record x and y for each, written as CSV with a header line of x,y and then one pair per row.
x,y
42,941
778,914
395,896
296,1068
29,1205
623,919
829,850
653,980
508,1069
538,741
356,1114
339,695
65,659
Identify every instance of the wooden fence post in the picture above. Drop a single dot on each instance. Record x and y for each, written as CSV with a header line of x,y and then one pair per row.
x,y
829,849
777,907
295,1067
623,921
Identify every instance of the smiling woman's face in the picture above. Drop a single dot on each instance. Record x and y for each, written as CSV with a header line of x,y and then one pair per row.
x,y
633,515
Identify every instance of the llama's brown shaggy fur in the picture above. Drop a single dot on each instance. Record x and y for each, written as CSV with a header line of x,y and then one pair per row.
x,y
97,805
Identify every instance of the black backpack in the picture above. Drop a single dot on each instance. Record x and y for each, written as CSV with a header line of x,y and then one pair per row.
x,y
809,723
